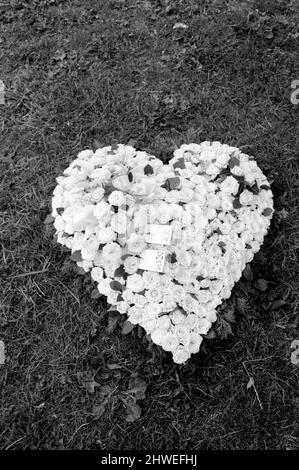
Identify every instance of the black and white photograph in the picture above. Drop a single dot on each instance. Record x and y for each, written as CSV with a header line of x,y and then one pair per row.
x,y
149,229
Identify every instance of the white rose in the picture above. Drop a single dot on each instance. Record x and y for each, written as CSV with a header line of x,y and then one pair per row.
x,y
117,198
102,210
106,235
135,283
149,324
136,243
172,197
97,274
101,174
246,198
180,355
230,185
158,335
135,314
164,322
170,342
97,194
122,307
131,264
112,251
153,294
177,317
186,194
104,286
195,341
168,303
164,213
203,325
59,223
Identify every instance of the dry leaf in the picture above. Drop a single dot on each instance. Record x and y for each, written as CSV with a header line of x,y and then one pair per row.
x,y
133,412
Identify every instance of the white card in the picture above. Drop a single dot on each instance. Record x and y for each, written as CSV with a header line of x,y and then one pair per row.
x,y
153,260
158,234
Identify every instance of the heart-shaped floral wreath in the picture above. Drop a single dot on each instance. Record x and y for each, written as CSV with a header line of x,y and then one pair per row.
x,y
164,242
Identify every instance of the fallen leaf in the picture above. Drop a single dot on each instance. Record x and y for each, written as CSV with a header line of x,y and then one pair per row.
x,y
277,304
138,387
261,284
133,412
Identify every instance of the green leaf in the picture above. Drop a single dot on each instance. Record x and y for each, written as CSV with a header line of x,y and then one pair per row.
x,y
254,188
234,161
267,212
76,256
95,294
247,273
236,203
171,258
127,327
261,284
49,219
174,182
130,176
148,170
180,163
114,145
117,286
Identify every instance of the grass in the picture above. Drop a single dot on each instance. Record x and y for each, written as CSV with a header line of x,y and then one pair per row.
x,y
79,74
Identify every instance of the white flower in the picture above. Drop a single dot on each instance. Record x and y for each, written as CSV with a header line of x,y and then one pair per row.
x,y
153,294
112,251
170,342
158,335
122,307
104,286
102,210
246,198
106,235
97,194
180,355
117,198
178,292
136,244
97,274
177,317
135,314
131,264
195,341
135,283
164,213
230,185
101,174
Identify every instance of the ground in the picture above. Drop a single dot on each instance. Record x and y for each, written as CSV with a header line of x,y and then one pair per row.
x,y
78,74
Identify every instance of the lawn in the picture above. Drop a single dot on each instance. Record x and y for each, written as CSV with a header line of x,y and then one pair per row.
x,y
79,74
